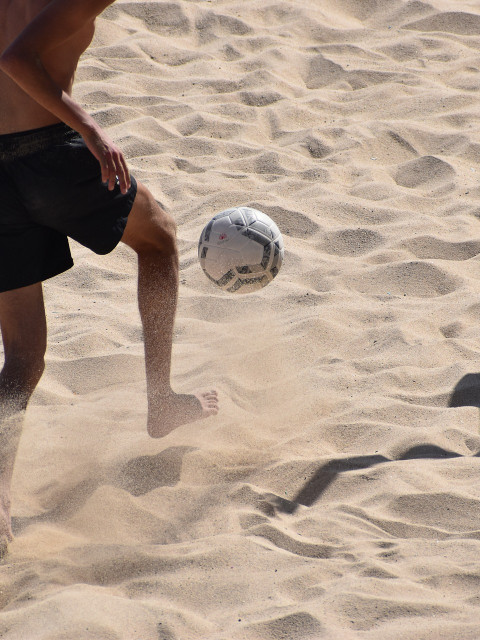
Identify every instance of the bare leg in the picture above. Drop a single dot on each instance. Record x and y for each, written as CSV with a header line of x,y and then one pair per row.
x,y
151,233
24,333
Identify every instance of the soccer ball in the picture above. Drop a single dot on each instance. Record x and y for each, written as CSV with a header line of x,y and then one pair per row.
x,y
241,250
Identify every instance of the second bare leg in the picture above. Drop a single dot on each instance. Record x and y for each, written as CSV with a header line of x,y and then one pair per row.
x,y
24,333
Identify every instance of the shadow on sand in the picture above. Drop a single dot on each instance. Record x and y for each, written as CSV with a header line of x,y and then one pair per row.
x,y
465,394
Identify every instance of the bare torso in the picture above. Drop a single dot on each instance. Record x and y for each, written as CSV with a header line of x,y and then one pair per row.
x,y
18,111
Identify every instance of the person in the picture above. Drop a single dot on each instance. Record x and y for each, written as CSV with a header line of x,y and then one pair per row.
x,y
61,175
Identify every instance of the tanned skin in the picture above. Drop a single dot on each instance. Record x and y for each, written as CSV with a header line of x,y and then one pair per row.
x,y
41,42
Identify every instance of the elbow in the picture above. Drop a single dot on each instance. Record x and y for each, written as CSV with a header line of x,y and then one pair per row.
x,y
12,61
9,62
5,61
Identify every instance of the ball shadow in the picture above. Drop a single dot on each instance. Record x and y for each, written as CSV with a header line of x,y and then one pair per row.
x,y
466,392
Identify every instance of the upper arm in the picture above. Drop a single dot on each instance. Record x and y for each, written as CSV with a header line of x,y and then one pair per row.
x,y
55,24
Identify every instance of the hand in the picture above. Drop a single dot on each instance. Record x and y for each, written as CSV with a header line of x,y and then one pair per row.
x,y
111,159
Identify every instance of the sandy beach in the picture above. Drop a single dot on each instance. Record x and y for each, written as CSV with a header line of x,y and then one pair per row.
x,y
336,495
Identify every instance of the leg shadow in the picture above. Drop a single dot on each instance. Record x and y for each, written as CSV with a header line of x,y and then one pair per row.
x,y
465,394
326,474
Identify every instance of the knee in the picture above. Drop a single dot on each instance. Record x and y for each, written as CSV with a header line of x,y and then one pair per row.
x,y
163,231
150,229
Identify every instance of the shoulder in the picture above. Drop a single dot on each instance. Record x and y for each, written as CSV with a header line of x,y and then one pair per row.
x,y
56,23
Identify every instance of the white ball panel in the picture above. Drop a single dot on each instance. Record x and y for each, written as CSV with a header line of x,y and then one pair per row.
x,y
241,249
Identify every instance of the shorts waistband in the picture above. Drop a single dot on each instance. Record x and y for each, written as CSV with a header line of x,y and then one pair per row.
x,y
24,143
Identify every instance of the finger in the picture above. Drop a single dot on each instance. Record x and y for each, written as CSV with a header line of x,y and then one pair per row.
x,y
127,175
123,174
112,173
108,169
104,168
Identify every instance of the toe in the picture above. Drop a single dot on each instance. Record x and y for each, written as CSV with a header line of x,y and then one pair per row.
x,y
210,397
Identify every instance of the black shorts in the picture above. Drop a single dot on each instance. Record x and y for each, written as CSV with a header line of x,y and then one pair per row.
x,y
50,188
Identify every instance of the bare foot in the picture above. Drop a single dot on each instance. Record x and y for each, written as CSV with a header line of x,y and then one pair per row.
x,y
169,412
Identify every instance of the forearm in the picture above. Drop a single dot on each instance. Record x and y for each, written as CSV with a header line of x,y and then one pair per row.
x,y
27,70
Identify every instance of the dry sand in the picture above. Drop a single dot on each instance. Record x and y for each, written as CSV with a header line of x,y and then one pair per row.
x,y
337,493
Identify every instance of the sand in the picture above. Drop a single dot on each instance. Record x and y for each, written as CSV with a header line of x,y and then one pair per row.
x,y
336,495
